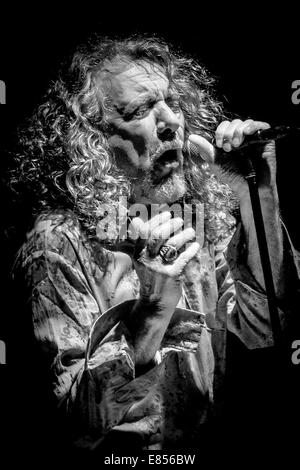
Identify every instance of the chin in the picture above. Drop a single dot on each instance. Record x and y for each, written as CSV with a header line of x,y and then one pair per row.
x,y
168,192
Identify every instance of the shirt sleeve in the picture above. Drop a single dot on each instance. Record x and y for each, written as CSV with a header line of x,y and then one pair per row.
x,y
64,310
91,361
90,357
243,302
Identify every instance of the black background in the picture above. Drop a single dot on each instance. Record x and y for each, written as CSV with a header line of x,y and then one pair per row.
x,y
253,54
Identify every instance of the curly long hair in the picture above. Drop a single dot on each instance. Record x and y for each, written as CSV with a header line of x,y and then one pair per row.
x,y
64,160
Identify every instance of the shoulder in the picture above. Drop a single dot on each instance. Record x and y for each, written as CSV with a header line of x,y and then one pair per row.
x,y
54,234
57,240
56,231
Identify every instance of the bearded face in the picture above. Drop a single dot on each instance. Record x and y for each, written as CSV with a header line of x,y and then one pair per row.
x,y
146,129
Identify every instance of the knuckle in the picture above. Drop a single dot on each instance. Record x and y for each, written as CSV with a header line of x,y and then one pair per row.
x,y
196,247
137,220
269,149
221,127
155,235
251,124
238,131
162,217
190,232
236,121
136,223
224,123
177,220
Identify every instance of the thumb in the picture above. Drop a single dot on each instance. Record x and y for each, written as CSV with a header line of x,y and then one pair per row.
x,y
199,145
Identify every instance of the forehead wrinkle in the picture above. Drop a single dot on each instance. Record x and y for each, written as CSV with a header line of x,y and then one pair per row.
x,y
144,81
142,78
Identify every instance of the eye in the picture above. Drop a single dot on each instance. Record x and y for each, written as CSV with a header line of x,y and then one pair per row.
x,y
138,113
142,111
174,104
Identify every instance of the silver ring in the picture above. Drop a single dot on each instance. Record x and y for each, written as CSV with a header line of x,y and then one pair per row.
x,y
168,253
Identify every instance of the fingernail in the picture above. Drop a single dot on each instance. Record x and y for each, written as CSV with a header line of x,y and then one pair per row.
x,y
236,141
227,147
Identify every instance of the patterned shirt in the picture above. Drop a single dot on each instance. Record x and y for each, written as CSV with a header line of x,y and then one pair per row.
x,y
79,314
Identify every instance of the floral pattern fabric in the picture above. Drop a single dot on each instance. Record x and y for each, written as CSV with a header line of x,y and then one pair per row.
x,y
79,321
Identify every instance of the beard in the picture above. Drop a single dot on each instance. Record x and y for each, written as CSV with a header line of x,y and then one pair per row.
x,y
168,190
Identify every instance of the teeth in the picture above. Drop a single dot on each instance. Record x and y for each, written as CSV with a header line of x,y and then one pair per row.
x,y
172,165
173,146
168,156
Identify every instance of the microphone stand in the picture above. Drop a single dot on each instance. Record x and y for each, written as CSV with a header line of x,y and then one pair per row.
x,y
264,253
263,136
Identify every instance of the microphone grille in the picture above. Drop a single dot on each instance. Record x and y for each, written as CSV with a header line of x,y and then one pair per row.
x,y
193,150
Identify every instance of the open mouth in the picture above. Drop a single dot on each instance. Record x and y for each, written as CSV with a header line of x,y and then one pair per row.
x,y
165,164
170,159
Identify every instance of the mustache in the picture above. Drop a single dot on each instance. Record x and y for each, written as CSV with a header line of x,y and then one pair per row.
x,y
155,153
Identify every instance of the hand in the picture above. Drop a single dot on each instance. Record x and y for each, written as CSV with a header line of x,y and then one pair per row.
x,y
160,281
230,136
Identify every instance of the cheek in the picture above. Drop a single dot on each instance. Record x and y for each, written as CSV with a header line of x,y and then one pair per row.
x,y
126,155
131,145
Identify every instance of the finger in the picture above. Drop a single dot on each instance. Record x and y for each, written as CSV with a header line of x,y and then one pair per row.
x,y
255,126
228,134
156,221
178,266
162,233
219,135
182,238
270,151
238,134
136,227
206,149
140,229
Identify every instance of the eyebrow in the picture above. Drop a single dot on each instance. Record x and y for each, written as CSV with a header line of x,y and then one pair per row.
x,y
137,103
144,100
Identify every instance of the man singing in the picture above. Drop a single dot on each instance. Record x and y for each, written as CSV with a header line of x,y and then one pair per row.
x,y
131,333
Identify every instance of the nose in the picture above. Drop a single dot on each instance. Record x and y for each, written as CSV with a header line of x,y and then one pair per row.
x,y
168,122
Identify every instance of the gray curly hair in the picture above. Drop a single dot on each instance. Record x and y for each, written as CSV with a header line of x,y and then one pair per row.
x,y
65,161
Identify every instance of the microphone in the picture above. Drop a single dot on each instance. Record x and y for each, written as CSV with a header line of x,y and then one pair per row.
x,y
261,136
235,164
265,135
